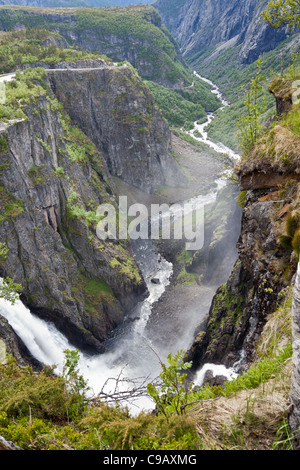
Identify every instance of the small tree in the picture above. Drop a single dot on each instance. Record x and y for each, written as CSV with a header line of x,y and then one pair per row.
x,y
76,386
249,125
173,392
283,13
291,239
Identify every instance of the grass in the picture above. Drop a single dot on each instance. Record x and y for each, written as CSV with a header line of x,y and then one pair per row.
x,y
250,412
95,293
38,412
278,149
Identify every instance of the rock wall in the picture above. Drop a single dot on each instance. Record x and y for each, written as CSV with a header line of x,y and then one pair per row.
x,y
56,169
240,307
199,25
134,33
48,189
117,112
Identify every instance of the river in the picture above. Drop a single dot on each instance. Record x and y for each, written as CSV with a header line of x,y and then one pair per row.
x,y
129,353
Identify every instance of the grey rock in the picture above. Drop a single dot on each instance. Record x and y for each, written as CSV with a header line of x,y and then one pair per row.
x,y
214,381
52,255
198,25
8,445
241,305
117,112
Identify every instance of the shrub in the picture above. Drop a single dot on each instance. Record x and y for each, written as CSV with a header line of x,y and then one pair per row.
x,y
291,240
172,395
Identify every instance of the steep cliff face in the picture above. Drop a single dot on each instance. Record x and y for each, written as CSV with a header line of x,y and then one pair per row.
x,y
203,28
73,3
117,112
258,279
52,180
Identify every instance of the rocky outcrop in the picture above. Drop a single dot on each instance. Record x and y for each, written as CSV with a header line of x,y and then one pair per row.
x,y
274,160
117,112
8,445
266,180
282,89
219,25
241,305
11,345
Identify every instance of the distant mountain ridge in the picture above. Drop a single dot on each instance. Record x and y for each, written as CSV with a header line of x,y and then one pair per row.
x,y
206,27
202,28
73,3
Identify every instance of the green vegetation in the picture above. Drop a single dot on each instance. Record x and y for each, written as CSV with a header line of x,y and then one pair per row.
x,y
291,239
22,91
77,211
48,412
9,290
283,12
28,47
142,25
233,81
250,127
10,207
182,107
173,392
43,411
278,147
96,292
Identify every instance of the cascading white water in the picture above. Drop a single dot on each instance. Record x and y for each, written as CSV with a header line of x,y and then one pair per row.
x,y
216,370
42,339
200,128
129,349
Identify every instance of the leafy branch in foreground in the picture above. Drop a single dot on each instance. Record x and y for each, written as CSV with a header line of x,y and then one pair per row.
x,y
282,12
76,386
173,392
249,125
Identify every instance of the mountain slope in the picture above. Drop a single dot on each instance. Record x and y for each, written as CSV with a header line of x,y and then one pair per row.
x,y
205,28
74,3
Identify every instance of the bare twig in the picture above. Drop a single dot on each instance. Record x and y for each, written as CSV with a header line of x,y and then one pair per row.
x,y
124,390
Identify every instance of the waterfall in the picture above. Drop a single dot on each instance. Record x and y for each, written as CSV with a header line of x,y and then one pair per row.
x,y
42,339
128,350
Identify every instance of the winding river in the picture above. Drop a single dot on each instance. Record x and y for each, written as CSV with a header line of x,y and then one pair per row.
x,y
128,351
